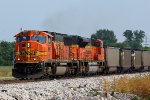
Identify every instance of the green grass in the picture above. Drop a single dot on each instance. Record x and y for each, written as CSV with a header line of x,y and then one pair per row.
x,y
5,71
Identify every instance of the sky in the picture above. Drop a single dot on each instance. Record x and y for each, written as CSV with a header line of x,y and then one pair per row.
x,y
78,17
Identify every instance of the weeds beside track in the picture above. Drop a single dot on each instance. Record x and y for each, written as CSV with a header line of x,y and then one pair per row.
x,y
139,86
5,71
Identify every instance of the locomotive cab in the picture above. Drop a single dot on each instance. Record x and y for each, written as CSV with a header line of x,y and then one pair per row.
x,y
30,53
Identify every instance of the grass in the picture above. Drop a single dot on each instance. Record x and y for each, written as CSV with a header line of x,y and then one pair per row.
x,y
139,86
5,71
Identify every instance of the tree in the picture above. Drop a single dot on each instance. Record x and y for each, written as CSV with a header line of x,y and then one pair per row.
x,y
129,35
122,45
139,36
134,38
6,53
106,35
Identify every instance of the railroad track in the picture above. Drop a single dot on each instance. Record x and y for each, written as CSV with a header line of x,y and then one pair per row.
x,y
59,78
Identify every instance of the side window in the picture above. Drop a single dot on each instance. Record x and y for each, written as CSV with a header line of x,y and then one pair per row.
x,y
49,40
97,44
41,39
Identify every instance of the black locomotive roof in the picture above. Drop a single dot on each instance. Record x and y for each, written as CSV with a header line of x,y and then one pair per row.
x,y
72,39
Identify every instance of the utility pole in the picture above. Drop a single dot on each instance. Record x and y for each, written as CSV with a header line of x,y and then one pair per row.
x,y
21,29
146,41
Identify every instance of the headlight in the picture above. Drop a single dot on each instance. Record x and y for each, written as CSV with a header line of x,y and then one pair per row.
x,y
28,45
34,59
18,59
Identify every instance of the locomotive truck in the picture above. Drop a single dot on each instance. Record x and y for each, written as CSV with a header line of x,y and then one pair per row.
x,y
42,53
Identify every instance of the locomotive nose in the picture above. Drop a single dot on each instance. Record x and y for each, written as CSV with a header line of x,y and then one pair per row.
x,y
27,51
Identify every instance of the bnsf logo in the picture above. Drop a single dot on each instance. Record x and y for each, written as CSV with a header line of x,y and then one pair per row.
x,y
24,53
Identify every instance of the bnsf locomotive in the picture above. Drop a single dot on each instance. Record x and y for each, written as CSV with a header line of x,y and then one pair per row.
x,y
42,53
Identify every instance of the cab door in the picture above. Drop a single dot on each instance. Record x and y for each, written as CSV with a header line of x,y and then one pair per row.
x,y
49,49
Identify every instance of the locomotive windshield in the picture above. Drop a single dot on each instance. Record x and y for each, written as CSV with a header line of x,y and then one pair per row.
x,y
23,38
41,39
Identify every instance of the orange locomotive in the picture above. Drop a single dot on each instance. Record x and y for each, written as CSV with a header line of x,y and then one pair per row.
x,y
42,53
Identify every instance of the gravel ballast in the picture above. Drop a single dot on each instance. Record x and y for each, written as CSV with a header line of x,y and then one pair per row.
x,y
89,88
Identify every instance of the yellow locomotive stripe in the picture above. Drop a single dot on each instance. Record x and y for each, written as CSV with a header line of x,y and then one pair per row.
x,y
28,53
41,53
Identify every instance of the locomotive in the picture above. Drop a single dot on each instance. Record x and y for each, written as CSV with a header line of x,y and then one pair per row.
x,y
42,53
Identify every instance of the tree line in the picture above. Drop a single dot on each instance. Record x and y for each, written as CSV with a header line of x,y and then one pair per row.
x,y
6,53
133,40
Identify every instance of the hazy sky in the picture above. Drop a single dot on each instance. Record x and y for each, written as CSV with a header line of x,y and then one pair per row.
x,y
82,17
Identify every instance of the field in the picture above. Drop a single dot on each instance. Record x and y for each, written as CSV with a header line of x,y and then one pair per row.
x,y
5,72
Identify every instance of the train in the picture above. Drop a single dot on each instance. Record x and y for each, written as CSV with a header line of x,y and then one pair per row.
x,y
49,54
